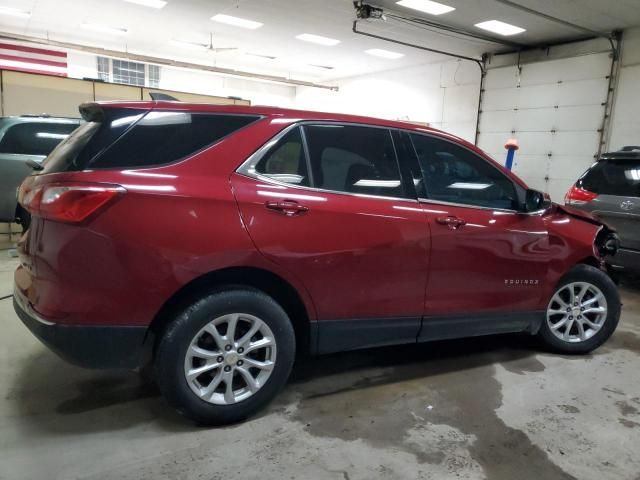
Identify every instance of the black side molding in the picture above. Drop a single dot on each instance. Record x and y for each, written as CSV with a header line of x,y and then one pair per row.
x,y
341,335
328,336
474,325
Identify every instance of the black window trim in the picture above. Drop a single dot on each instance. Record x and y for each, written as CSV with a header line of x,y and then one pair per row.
x,y
145,112
463,205
247,168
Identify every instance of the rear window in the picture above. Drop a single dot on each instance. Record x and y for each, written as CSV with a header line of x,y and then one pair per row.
x,y
613,177
134,139
35,138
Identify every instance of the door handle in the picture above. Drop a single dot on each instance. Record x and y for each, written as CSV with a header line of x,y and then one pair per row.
x,y
452,222
286,207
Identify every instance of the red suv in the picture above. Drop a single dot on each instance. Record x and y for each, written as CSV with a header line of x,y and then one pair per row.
x,y
216,241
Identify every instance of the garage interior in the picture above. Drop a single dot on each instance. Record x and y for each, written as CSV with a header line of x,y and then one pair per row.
x,y
566,85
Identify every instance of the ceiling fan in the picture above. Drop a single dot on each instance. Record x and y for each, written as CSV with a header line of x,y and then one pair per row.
x,y
203,46
214,50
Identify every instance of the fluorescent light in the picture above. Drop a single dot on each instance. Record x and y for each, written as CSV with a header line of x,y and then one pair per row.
x,y
363,182
501,28
149,3
236,21
104,28
378,52
426,6
56,136
469,186
186,44
326,41
14,12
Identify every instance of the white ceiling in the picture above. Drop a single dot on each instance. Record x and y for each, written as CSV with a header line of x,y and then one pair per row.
x,y
149,30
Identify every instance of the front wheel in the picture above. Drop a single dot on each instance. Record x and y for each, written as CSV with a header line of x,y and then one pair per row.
x,y
583,311
225,356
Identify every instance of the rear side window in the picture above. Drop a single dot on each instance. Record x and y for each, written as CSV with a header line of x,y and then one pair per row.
x,y
117,138
35,138
92,138
286,161
353,159
165,137
613,177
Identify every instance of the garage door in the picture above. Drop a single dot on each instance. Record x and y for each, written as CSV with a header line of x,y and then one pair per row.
x,y
555,109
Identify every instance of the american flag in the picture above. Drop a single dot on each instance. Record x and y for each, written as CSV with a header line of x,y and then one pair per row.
x,y
33,60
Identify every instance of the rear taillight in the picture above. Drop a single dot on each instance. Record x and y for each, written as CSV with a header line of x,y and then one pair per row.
x,y
578,196
71,203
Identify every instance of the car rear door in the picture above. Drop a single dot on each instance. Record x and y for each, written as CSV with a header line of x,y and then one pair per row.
x,y
488,260
326,201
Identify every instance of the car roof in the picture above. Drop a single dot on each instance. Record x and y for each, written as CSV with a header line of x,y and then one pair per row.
x,y
631,152
292,114
39,118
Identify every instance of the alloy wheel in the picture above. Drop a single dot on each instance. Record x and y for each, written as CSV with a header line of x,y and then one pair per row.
x,y
576,312
230,358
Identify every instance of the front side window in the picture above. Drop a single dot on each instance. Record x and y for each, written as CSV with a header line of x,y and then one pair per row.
x,y
456,175
353,159
35,138
286,160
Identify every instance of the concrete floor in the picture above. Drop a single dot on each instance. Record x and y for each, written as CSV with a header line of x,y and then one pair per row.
x,y
483,408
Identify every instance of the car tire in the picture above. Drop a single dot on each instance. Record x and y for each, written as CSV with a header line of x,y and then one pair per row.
x,y
194,329
591,318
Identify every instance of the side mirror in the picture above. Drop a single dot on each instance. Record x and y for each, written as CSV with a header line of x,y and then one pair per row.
x,y
536,201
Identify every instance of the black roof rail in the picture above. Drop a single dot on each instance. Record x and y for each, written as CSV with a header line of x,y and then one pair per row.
x,y
630,148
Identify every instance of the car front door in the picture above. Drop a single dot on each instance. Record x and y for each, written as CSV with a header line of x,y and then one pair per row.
x,y
488,259
327,203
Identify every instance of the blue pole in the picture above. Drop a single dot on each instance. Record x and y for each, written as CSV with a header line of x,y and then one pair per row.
x,y
510,154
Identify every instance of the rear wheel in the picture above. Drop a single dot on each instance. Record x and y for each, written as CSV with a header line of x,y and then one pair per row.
x,y
583,311
226,356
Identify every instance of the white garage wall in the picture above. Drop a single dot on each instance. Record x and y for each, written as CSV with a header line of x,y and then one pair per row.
x,y
625,121
444,95
555,109
82,65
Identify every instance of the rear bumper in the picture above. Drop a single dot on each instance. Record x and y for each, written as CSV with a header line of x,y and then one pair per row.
x,y
85,346
625,260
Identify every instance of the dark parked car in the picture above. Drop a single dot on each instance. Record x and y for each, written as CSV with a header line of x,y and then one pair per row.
x,y
23,141
218,241
610,190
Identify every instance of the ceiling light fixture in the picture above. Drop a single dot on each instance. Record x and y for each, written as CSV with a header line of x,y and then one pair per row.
x,y
186,44
501,28
378,52
96,27
149,3
426,6
318,39
14,12
236,21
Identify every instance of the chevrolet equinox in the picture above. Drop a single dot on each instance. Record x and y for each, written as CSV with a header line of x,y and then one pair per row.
x,y
215,242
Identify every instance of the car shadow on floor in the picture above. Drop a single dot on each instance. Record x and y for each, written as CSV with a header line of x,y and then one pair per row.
x,y
65,399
